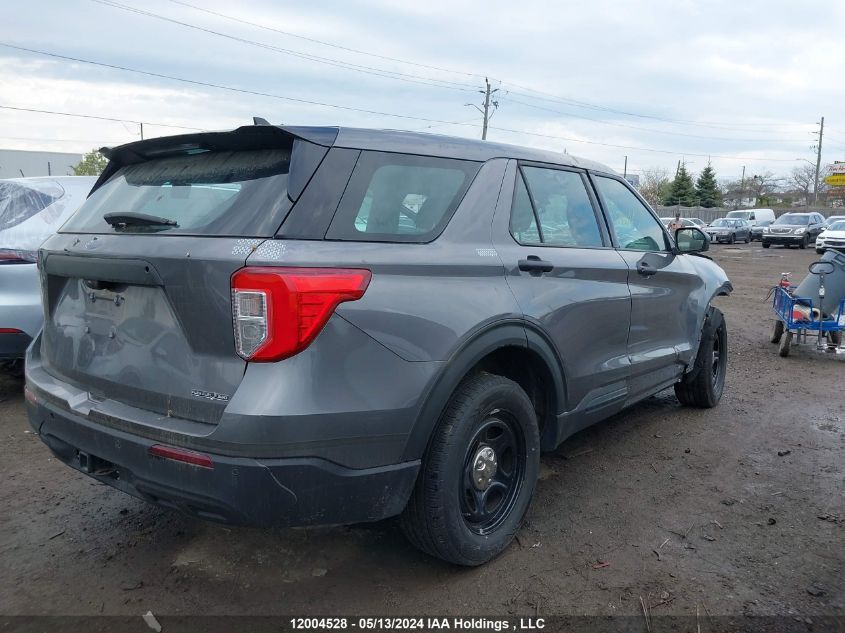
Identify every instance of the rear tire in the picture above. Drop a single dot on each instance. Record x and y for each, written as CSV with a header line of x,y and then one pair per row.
x,y
778,331
451,515
704,385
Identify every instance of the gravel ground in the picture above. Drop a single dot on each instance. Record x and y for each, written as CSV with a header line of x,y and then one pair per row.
x,y
735,510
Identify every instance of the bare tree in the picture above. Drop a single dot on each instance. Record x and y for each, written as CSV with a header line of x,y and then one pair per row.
x,y
654,185
802,178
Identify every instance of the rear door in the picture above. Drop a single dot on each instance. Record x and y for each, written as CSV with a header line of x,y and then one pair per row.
x,y
663,322
568,280
138,309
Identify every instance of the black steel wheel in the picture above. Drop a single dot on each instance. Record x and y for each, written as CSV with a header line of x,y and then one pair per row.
x,y
494,470
478,474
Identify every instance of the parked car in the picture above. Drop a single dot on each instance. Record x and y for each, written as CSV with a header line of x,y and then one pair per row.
x,y
729,230
799,229
832,237
757,230
31,209
303,325
752,216
699,223
833,218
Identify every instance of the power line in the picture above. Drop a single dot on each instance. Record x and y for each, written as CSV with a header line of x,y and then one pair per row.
x,y
354,109
648,129
59,140
548,96
388,74
222,87
642,149
91,116
324,43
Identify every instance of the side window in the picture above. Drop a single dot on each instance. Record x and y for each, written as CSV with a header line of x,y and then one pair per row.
x,y
635,227
400,197
523,222
562,207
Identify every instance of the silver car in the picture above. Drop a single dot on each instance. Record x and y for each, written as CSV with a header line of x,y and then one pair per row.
x,y
31,209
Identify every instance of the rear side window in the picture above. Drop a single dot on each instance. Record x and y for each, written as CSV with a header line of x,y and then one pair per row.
x,y
563,208
400,198
242,193
19,202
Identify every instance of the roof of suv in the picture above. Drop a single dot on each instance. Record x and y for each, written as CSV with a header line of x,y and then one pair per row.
x,y
255,136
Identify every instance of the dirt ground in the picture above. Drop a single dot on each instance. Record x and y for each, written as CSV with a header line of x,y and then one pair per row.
x,y
735,510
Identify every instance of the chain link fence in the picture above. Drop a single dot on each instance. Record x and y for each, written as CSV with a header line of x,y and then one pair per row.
x,y
713,213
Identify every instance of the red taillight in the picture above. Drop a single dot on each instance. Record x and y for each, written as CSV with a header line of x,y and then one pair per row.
x,y
9,330
181,455
277,312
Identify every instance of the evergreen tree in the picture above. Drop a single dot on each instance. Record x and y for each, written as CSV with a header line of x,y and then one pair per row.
x,y
707,190
682,190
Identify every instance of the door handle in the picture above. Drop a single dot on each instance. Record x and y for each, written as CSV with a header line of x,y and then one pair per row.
x,y
645,269
535,265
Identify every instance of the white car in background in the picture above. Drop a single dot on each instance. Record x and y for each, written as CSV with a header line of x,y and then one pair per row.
x,y
31,209
832,237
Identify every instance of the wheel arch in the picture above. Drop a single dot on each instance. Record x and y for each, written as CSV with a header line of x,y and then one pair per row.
x,y
513,349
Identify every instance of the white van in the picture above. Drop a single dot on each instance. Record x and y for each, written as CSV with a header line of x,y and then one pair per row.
x,y
754,216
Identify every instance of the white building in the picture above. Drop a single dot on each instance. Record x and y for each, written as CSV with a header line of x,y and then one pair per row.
x,y
17,163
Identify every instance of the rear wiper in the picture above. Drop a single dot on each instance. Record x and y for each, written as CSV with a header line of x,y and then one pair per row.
x,y
130,218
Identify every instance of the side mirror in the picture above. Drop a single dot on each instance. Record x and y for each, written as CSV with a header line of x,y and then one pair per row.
x,y
691,240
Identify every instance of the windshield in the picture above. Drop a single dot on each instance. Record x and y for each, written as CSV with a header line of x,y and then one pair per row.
x,y
724,222
793,218
214,193
837,226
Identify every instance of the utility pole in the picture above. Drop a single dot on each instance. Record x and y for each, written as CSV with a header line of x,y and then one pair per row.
x,y
818,164
488,92
625,170
142,130
741,188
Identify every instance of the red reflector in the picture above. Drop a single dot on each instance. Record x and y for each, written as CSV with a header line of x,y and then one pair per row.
x,y
29,395
181,455
9,330
279,311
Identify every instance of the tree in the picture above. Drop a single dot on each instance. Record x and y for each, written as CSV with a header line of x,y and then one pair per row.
x,y
682,189
761,187
92,164
654,185
706,188
803,179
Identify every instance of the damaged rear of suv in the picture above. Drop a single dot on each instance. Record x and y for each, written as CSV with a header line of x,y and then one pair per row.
x,y
299,326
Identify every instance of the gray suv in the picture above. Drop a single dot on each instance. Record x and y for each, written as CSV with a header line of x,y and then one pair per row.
x,y
303,325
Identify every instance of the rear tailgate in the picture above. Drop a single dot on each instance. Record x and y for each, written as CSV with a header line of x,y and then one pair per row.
x,y
144,320
137,284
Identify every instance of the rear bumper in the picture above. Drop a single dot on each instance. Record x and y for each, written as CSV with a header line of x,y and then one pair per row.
x,y
236,490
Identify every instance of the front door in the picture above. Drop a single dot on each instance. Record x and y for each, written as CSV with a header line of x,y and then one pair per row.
x,y
663,322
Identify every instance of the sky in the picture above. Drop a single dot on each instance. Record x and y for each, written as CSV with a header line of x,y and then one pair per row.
x,y
735,83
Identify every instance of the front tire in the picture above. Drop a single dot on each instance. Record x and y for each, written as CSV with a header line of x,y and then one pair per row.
x,y
704,385
767,244
478,473
804,243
